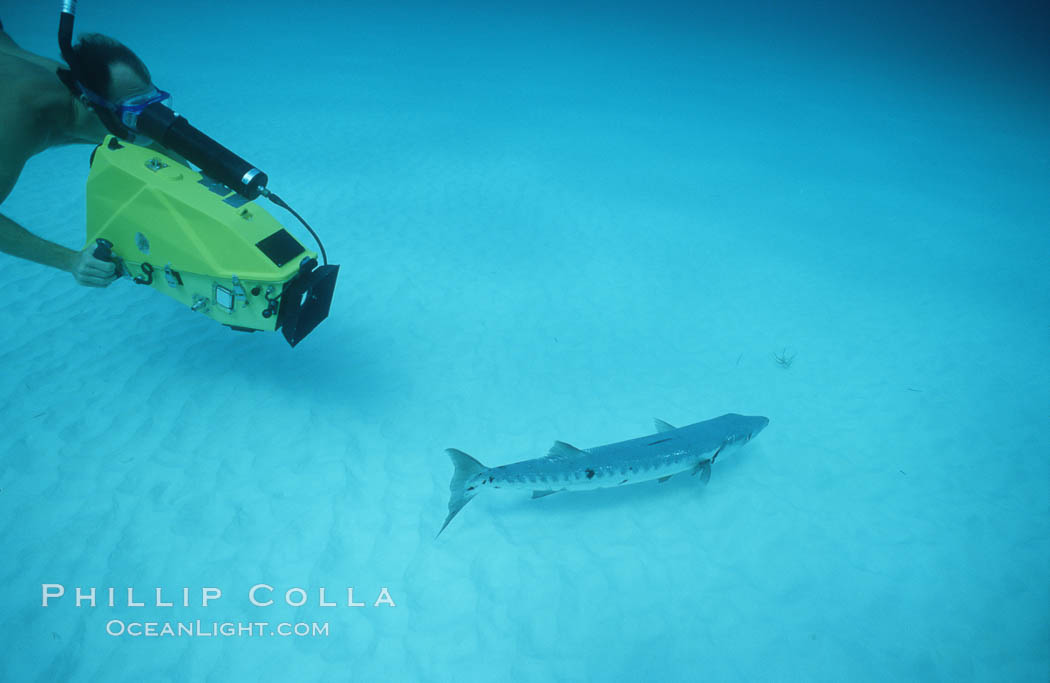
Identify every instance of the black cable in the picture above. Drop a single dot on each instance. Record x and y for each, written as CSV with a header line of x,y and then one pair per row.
x,y
280,202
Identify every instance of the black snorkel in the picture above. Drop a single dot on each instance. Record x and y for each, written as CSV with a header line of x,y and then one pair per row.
x,y
65,34
65,45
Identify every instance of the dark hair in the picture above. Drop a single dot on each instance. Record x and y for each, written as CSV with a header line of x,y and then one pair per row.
x,y
95,53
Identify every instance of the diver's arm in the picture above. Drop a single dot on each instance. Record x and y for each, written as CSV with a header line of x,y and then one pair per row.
x,y
85,268
17,241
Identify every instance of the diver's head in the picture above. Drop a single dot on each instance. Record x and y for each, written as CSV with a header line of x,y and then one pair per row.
x,y
109,80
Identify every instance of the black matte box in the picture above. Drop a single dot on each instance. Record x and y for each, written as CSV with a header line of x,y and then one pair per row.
x,y
305,302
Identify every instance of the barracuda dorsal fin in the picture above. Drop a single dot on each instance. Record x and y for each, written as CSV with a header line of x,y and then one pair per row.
x,y
561,450
662,426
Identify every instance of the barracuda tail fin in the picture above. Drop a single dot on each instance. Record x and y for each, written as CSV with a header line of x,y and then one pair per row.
x,y
466,468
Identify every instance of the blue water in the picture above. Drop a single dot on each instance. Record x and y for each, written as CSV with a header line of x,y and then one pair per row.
x,y
558,222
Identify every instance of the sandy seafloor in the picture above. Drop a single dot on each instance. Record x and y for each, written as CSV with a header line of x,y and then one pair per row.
x,y
558,224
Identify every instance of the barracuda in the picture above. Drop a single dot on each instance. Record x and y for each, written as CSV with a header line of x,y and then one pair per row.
x,y
660,456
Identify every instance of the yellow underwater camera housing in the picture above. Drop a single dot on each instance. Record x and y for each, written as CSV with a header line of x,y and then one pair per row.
x,y
194,239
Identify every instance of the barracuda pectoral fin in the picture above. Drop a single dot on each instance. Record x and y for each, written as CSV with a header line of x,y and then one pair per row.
x,y
662,426
541,494
663,479
704,468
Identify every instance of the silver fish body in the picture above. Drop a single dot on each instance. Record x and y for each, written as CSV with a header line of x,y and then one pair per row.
x,y
668,452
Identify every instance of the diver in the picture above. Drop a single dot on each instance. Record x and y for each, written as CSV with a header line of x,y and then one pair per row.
x,y
42,106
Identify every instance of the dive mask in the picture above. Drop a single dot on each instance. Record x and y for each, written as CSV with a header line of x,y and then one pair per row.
x,y
127,110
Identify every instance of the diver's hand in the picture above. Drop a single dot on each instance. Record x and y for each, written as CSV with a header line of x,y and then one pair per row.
x,y
92,272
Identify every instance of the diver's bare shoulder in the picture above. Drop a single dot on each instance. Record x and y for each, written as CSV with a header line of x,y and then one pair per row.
x,y
17,129
31,108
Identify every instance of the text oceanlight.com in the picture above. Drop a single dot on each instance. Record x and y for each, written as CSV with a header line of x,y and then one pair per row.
x,y
207,629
